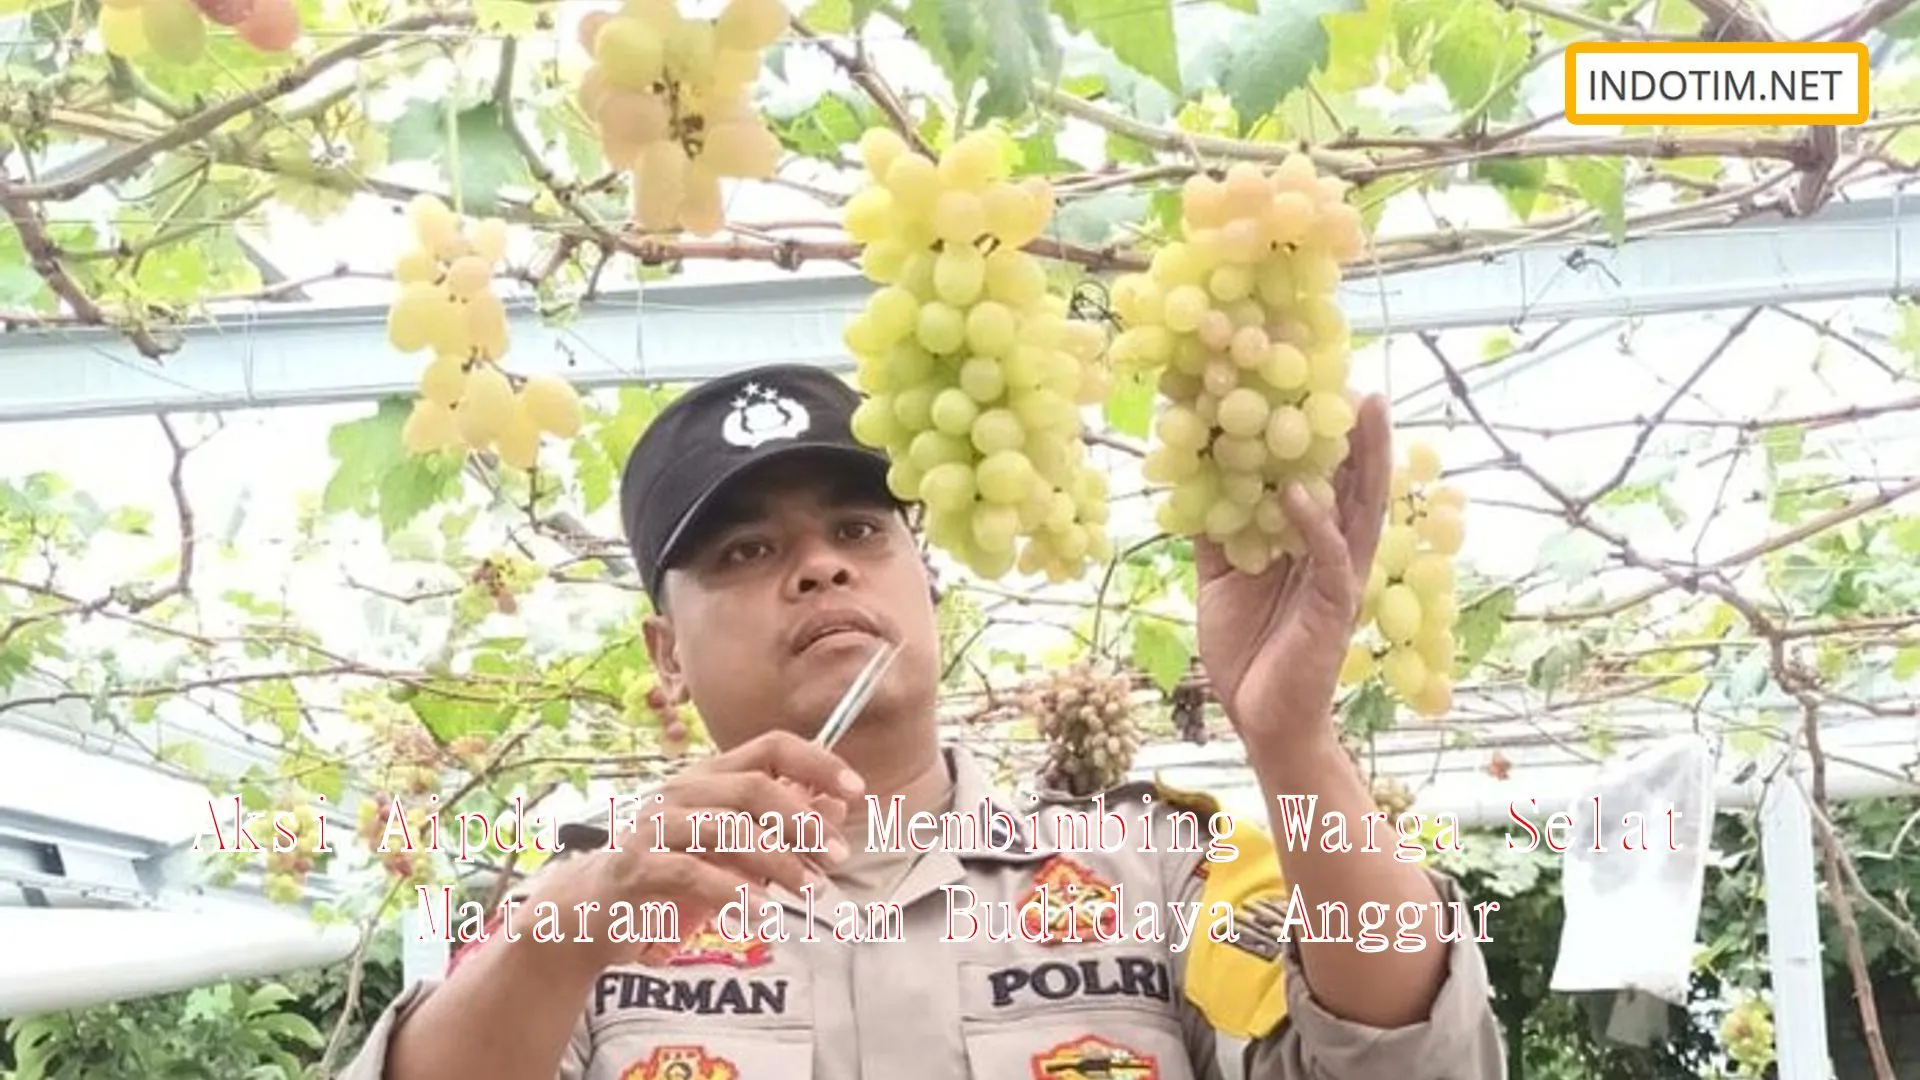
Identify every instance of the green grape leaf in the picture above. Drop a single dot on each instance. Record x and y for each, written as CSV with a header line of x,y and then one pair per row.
x,y
827,128
1479,48
376,476
1130,407
1369,710
487,161
1677,17
1095,219
1161,651
1519,181
1480,625
448,717
1602,182
829,16
1009,43
1357,39
1278,52
20,285
511,18
1140,33
1906,663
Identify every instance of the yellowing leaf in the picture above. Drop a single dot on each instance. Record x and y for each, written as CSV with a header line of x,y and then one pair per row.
x,y
1358,40
1477,49
1602,182
509,17
829,16
1677,17
1161,651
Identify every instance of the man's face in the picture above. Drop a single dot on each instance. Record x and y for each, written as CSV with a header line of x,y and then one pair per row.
x,y
793,578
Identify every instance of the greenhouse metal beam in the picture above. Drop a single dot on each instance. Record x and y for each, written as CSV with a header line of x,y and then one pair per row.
x,y
687,332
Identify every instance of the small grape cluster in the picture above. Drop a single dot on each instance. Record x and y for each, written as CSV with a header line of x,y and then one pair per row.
x,y
376,827
287,871
496,584
175,31
974,372
472,749
1410,609
1190,713
1391,796
668,97
1746,1034
1086,717
646,702
1237,320
413,757
446,304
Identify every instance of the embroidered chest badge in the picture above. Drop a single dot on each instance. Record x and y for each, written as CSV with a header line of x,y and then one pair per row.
x,y
1091,1057
681,1063
710,946
1069,902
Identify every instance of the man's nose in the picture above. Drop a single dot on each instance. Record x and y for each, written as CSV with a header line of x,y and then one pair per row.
x,y
820,566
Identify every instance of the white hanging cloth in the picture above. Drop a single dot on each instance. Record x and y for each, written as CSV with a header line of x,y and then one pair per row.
x,y
1631,882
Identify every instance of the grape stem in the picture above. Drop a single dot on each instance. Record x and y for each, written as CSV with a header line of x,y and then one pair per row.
x,y
44,256
857,67
212,118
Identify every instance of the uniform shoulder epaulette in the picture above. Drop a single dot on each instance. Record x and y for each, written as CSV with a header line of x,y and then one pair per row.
x,y
1240,985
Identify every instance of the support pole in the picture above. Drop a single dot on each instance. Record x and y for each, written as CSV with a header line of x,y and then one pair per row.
x,y
1793,931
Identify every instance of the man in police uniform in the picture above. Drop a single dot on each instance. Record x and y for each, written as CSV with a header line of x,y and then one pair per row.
x,y
777,562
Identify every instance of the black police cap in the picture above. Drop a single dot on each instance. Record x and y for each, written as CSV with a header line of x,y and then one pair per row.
x,y
720,429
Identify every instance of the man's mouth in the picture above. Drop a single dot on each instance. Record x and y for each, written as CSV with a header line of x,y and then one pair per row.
x,y
834,627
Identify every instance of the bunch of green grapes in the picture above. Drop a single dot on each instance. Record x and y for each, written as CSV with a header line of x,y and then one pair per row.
x,y
175,31
1747,1035
1408,615
668,97
974,373
447,305
1238,321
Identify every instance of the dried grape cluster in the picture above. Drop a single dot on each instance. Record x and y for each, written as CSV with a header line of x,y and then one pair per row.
x,y
446,304
668,97
1086,717
1409,612
1189,703
973,371
1237,319
175,31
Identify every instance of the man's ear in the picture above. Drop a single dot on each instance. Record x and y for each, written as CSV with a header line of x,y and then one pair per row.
x,y
662,649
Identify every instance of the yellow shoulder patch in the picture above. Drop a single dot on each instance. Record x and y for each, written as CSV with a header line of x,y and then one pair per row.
x,y
1240,991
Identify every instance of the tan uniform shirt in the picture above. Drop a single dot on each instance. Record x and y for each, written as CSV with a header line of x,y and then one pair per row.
x,y
1185,1007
